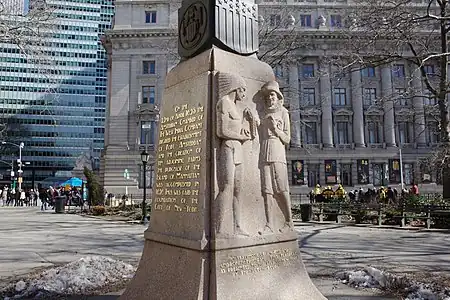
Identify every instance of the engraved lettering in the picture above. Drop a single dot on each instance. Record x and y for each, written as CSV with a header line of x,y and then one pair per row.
x,y
257,262
179,159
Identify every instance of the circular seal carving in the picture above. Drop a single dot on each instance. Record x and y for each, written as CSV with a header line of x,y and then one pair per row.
x,y
193,25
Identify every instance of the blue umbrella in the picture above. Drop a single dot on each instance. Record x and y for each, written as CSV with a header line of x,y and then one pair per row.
x,y
74,181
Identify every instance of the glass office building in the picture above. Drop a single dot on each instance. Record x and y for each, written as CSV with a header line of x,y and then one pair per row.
x,y
53,100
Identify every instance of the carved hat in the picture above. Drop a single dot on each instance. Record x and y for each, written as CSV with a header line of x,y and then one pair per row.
x,y
229,83
272,86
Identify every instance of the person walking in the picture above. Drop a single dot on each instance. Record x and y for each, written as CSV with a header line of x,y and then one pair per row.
x,y
22,198
44,199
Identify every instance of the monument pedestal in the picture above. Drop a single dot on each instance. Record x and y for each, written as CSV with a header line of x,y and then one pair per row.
x,y
184,255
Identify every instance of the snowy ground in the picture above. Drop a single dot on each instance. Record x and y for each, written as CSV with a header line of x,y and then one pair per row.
x,y
30,240
373,278
79,277
92,273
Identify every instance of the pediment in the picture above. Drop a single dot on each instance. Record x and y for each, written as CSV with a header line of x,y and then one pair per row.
x,y
373,111
404,112
343,112
431,110
311,112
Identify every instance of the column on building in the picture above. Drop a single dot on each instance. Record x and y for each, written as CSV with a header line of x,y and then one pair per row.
x,y
388,106
294,95
358,111
325,102
419,112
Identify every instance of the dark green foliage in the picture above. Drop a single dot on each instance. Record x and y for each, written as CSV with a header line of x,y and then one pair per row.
x,y
95,190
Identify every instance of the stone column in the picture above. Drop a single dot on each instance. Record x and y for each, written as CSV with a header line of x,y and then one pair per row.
x,y
325,102
358,111
294,94
419,112
388,106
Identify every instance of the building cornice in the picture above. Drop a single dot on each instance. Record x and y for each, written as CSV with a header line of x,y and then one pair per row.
x,y
140,33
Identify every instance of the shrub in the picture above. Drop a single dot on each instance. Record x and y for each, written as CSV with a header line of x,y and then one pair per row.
x,y
98,210
95,190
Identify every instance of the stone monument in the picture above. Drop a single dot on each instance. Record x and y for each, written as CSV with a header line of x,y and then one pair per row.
x,y
221,226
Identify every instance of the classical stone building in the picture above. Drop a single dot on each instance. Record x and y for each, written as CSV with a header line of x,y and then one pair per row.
x,y
341,131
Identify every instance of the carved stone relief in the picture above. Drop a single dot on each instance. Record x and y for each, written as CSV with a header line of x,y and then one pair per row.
x,y
275,128
232,133
236,124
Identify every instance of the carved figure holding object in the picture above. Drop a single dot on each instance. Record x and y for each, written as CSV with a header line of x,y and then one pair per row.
x,y
230,129
274,138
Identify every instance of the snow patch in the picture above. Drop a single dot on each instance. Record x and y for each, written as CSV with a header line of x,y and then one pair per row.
x,y
373,278
75,278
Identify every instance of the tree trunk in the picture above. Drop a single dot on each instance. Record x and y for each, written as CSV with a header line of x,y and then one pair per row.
x,y
446,179
442,101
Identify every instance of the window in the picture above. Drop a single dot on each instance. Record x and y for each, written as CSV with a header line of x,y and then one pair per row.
x,y
310,133
368,72
278,70
342,133
378,174
336,21
346,174
408,174
308,70
429,99
402,97
403,132
305,21
148,94
429,69
340,97
150,17
313,175
373,134
370,95
309,96
426,173
398,71
275,20
432,132
148,67
147,133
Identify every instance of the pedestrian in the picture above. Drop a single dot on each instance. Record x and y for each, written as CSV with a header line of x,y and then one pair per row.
x,y
4,196
44,199
22,198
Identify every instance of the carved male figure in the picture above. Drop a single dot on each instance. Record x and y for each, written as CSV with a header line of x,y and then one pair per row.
x,y
230,129
275,136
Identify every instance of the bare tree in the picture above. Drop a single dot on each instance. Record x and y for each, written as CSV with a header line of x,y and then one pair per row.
x,y
27,31
379,33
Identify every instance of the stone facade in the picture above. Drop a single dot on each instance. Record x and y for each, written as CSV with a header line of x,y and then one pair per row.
x,y
340,133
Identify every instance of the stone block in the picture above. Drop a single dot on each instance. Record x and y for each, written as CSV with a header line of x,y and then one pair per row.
x,y
207,239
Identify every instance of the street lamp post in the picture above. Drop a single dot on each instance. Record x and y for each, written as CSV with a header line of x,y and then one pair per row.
x,y
401,168
144,158
20,146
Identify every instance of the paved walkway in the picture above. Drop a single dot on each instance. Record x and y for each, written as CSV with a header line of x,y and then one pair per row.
x,y
328,247
31,239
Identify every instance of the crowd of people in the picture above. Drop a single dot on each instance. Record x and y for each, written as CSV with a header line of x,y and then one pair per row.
x,y
43,197
382,194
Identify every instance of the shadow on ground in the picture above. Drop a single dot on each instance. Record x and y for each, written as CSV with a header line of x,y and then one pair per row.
x,y
328,248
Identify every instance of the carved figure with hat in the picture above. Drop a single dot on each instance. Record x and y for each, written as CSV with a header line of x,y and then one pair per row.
x,y
275,135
